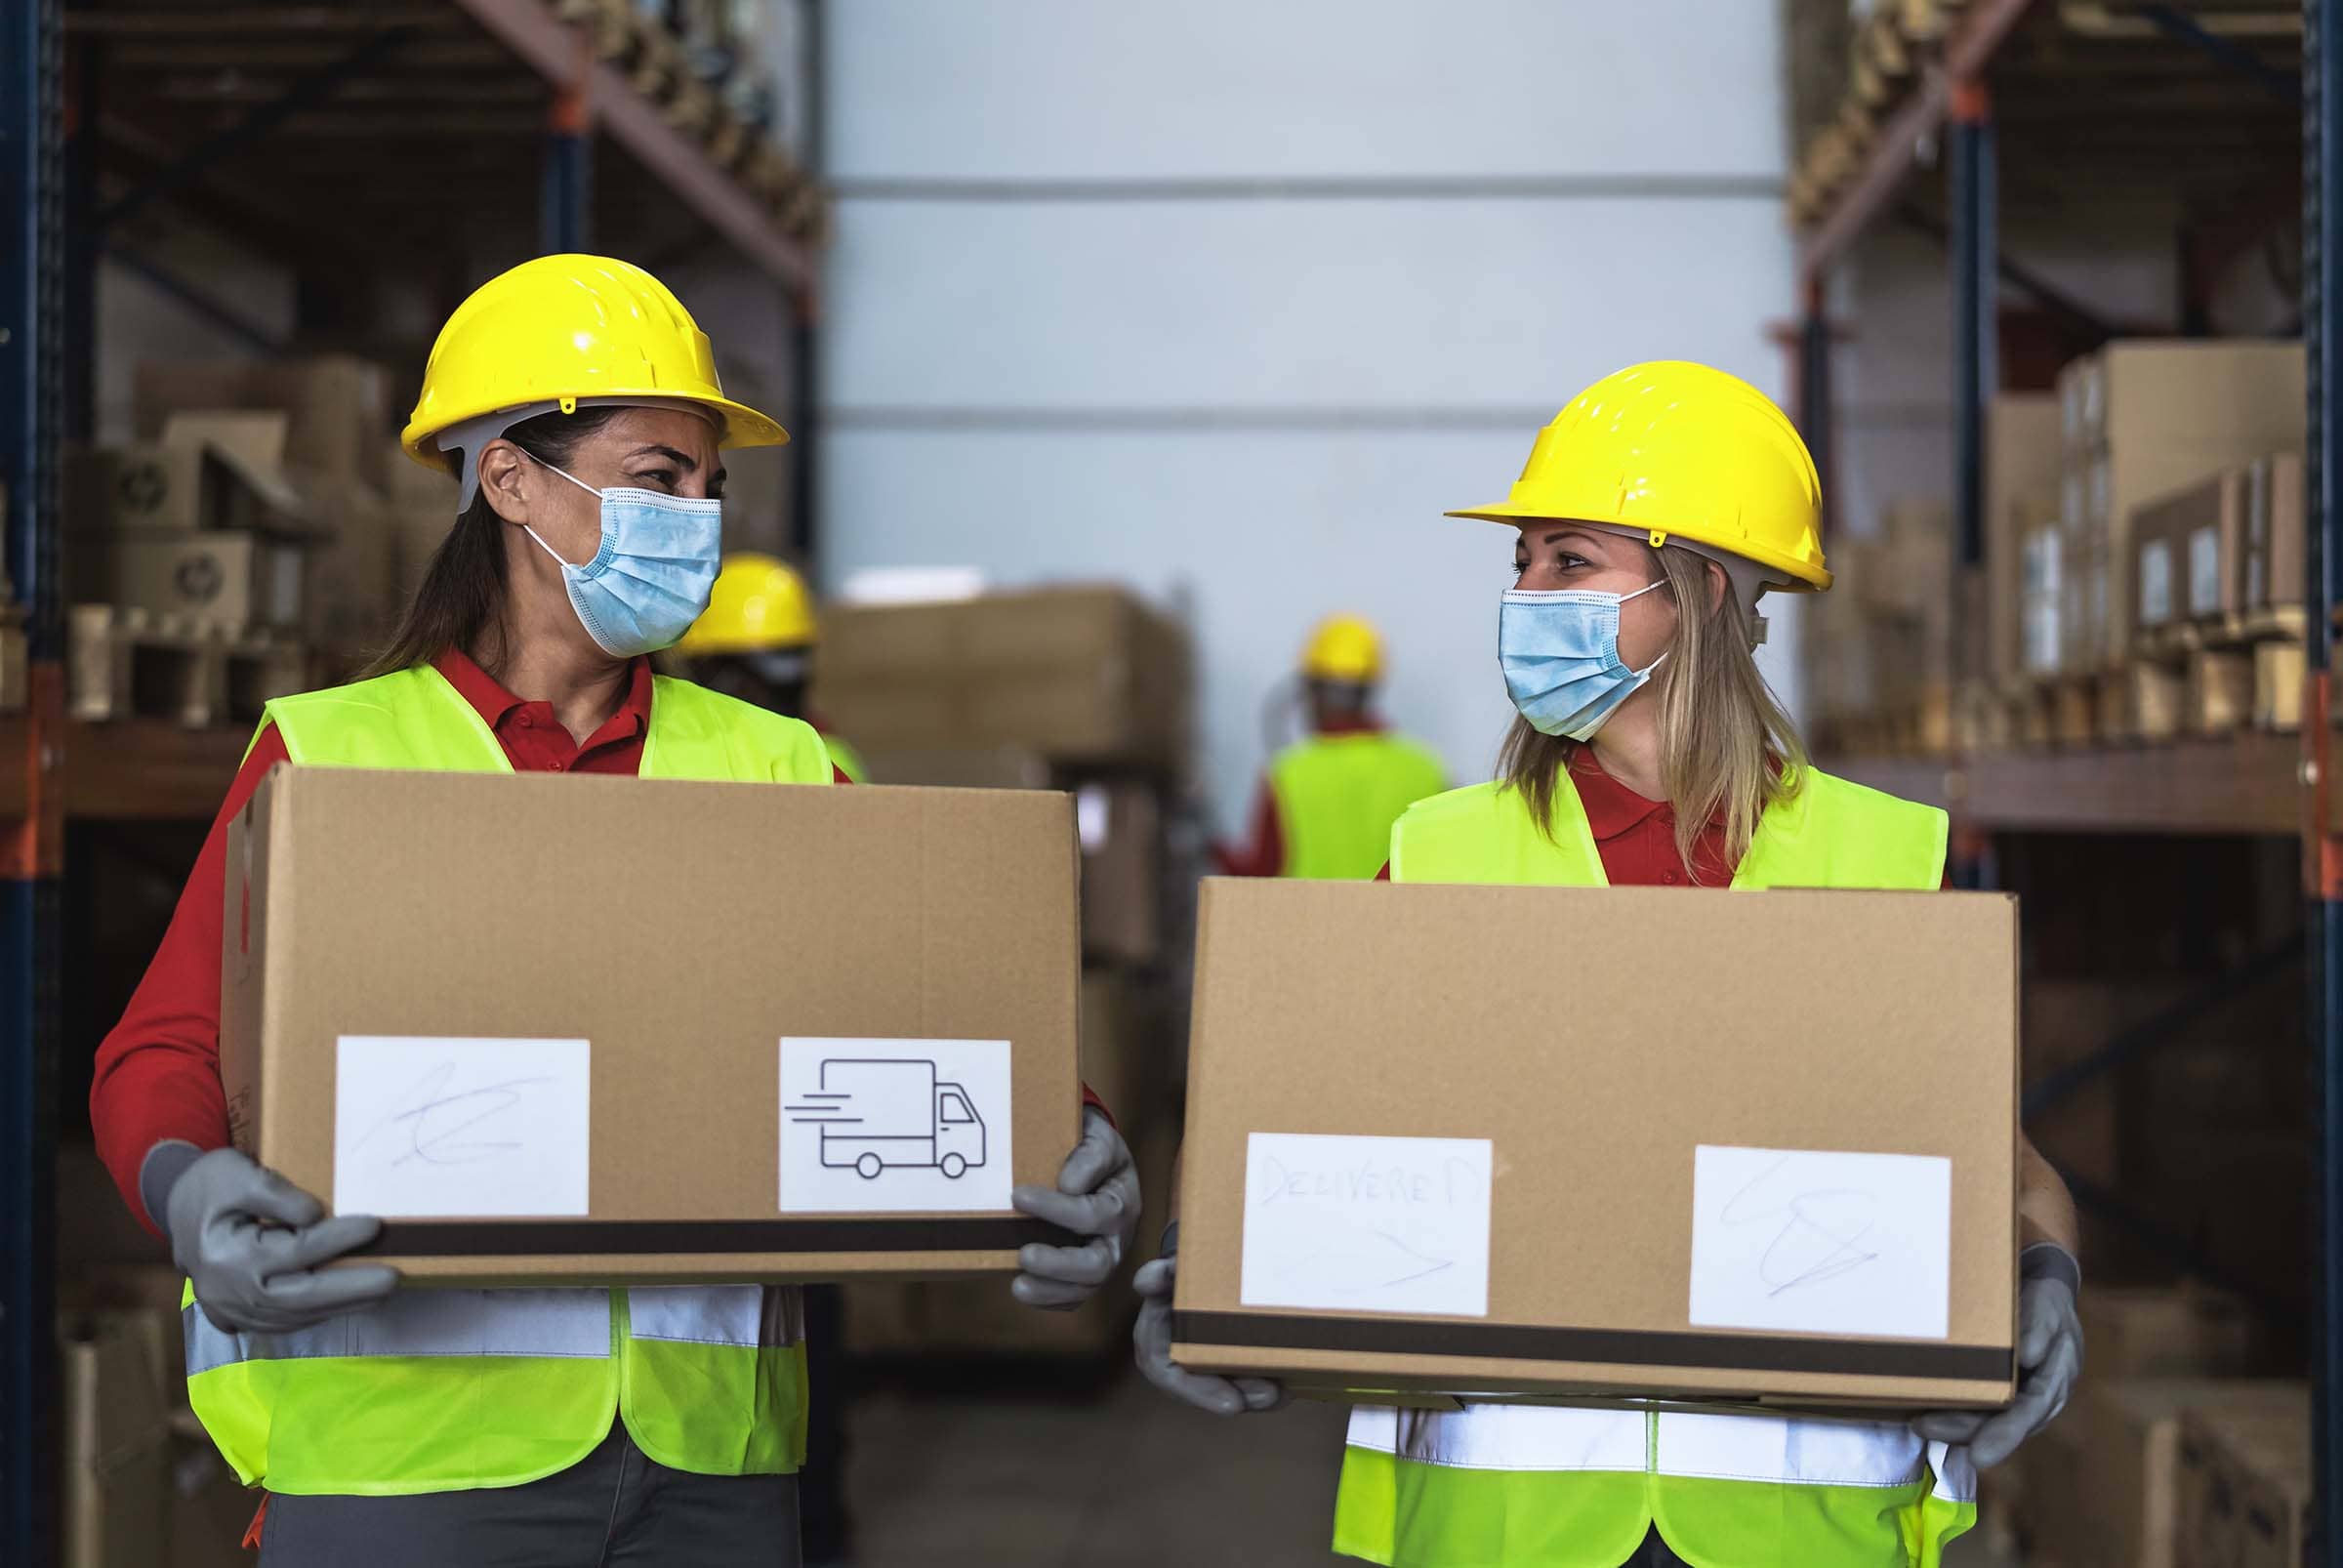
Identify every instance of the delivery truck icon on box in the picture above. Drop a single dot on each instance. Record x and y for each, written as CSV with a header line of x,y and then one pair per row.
x,y
879,1114
895,1126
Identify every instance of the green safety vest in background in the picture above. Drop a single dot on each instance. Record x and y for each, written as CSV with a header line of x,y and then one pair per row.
x,y
440,1391
1338,796
847,760
1512,1486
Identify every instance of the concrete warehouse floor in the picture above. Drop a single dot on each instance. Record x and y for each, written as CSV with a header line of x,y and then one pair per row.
x,y
1040,1472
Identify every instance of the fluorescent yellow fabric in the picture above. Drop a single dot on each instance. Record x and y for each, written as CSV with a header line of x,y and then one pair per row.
x,y
1677,450
444,1390
1337,797
847,761
1525,1487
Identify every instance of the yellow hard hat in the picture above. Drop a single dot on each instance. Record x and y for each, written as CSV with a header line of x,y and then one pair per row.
x,y
1676,450
760,603
561,330
1345,648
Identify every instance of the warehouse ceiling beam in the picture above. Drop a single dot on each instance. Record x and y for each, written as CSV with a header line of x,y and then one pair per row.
x,y
558,52
309,90
1896,150
2174,23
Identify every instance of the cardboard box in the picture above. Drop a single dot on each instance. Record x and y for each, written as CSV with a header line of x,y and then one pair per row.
x,y
421,504
1080,675
338,407
117,1451
353,591
2130,1459
2188,552
208,471
1393,1017
2193,388
2167,1331
2124,478
2042,591
230,580
1120,825
2274,532
2022,449
407,939
999,768
2244,1485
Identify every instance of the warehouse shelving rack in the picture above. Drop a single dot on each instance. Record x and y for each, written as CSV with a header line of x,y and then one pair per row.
x,y
2214,106
344,139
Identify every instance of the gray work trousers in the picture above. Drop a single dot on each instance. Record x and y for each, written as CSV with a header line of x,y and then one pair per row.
x,y
1653,1553
613,1507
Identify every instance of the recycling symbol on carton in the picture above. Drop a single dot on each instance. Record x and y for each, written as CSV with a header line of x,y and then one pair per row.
x,y
199,578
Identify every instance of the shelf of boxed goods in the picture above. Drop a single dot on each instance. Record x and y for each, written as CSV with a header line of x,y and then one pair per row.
x,y
261,117
148,769
2239,784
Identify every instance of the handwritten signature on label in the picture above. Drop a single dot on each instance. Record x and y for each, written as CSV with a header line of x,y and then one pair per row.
x,y
430,1124
1822,1228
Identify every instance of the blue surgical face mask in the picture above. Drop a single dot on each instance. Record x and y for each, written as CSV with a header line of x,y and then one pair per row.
x,y
650,579
1560,655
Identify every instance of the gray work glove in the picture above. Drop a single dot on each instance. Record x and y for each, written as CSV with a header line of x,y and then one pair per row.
x,y
251,1242
2049,1360
1151,1345
1098,1195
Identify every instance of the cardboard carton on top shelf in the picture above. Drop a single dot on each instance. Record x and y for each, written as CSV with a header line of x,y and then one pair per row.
x,y
731,959
1370,1084
337,407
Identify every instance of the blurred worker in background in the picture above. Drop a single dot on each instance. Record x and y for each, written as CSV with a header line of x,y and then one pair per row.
x,y
757,639
1327,806
577,403
1647,749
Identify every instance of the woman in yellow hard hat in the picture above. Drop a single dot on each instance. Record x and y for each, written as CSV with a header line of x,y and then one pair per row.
x,y
1645,748
757,639
577,402
1327,806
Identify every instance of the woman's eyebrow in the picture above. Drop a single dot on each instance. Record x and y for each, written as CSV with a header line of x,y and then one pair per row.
x,y
688,464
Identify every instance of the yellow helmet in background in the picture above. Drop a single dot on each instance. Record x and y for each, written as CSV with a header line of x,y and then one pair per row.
x,y
564,329
1345,648
1674,450
760,604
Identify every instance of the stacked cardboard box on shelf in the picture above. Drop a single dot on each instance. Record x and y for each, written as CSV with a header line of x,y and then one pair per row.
x,y
1881,659
336,415
2244,1487
2022,447
2140,418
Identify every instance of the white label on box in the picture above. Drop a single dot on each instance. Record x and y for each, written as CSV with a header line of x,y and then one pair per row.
x,y
1093,817
1367,1224
450,1127
1813,1242
2156,582
894,1125
2205,571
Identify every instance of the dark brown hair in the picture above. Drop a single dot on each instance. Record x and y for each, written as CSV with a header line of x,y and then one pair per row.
x,y
460,602
1727,748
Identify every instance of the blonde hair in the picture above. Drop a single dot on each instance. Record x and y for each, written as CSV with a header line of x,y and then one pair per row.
x,y
1727,747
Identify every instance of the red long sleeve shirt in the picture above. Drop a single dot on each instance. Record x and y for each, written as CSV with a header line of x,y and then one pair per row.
x,y
158,1072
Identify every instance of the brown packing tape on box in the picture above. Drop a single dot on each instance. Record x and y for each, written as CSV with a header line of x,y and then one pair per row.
x,y
1558,1024
681,930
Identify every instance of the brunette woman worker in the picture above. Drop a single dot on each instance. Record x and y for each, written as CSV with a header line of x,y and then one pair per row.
x,y
1645,749
578,404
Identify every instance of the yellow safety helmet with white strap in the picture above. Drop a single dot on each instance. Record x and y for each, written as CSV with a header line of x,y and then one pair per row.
x,y
1680,453
1345,648
567,330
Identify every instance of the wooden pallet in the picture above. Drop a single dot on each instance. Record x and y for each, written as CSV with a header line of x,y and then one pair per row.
x,y
124,662
2214,676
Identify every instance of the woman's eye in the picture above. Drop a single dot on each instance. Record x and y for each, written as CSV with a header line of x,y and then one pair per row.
x,y
1519,567
1570,563
665,478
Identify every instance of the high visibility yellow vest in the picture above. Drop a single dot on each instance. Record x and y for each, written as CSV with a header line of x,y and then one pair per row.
x,y
847,760
1338,796
440,1391
1512,1486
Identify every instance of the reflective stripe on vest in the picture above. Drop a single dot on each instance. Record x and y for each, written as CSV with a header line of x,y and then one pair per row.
x,y
1339,795
1508,1486
438,1391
